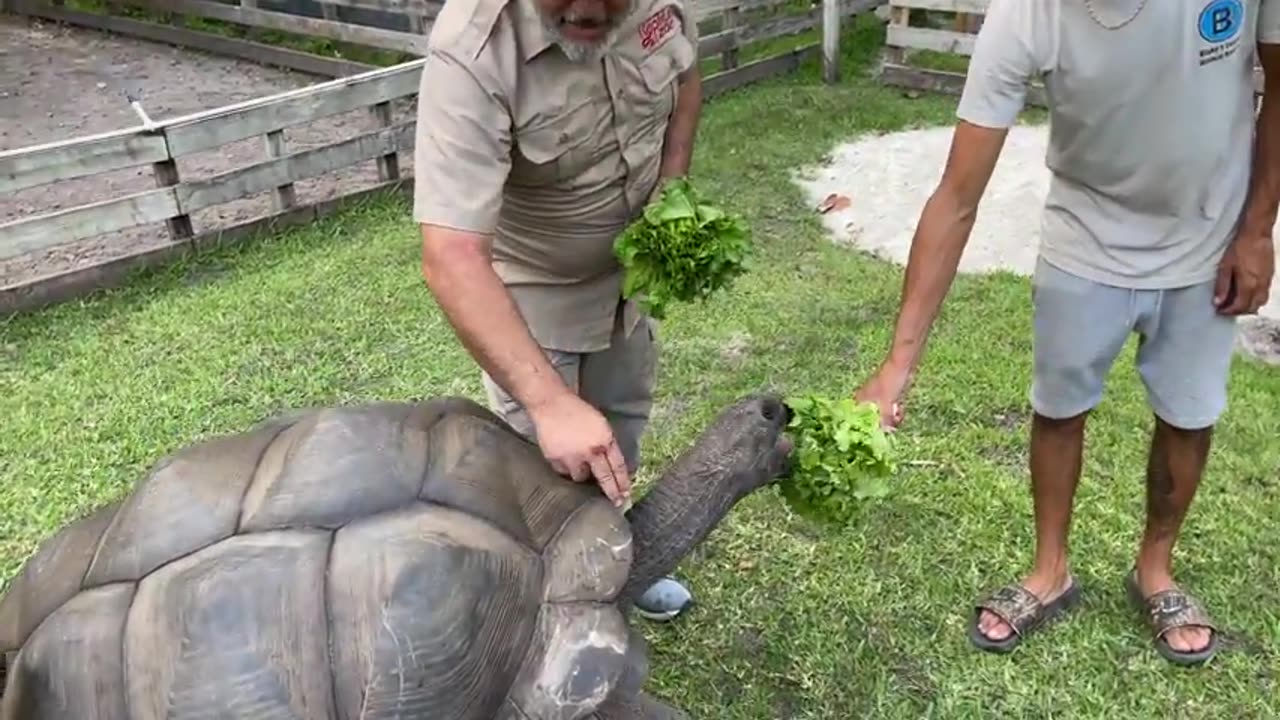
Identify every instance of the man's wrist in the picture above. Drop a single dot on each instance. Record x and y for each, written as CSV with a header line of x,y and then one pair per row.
x,y
543,396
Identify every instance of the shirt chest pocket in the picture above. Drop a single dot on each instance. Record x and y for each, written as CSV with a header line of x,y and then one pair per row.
x,y
561,146
659,78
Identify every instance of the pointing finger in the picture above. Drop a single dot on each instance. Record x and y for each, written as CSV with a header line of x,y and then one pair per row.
x,y
619,465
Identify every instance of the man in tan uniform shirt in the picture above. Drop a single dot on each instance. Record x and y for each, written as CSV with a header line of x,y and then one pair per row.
x,y
544,127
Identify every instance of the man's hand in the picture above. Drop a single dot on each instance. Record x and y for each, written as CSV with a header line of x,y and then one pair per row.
x,y
886,389
1244,275
578,442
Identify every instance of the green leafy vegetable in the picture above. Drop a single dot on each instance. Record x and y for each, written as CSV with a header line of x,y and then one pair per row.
x,y
682,249
842,456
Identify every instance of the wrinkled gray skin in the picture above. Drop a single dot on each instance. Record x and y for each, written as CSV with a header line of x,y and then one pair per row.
x,y
743,450
406,561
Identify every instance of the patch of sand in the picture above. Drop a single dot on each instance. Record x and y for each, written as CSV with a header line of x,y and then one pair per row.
x,y
888,178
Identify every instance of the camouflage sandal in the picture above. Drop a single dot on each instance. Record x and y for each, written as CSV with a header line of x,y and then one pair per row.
x,y
1169,609
1022,610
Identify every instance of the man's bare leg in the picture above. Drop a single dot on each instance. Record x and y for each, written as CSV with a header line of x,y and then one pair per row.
x,y
1174,467
1057,448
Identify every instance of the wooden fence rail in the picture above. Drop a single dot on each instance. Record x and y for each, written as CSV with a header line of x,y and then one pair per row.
x,y
170,208
173,201
402,26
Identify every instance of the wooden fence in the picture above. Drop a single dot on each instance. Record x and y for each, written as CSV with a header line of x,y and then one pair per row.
x,y
945,29
156,208
168,208
401,27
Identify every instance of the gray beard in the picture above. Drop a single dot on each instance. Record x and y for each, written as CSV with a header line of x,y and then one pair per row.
x,y
582,52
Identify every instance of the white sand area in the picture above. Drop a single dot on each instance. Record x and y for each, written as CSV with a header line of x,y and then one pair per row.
x,y
888,178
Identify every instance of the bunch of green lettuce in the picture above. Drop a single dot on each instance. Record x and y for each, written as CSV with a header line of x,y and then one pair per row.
x,y
842,456
682,249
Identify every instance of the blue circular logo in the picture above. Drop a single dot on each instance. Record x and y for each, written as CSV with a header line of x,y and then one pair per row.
x,y
1221,20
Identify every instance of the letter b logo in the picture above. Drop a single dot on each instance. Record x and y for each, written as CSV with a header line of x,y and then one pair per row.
x,y
1220,20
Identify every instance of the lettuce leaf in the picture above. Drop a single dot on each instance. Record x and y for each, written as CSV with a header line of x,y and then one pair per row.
x,y
682,249
842,457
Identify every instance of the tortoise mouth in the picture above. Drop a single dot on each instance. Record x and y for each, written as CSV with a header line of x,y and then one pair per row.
x,y
784,445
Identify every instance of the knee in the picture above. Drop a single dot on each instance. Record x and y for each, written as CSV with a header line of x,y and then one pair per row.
x,y
1068,424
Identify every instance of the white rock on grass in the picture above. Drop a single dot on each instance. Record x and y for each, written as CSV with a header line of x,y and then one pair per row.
x,y
888,178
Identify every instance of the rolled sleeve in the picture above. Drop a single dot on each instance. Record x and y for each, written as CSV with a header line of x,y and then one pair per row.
x,y
461,147
1269,22
1007,55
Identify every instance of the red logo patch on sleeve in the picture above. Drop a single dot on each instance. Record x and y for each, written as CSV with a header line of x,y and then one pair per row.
x,y
657,27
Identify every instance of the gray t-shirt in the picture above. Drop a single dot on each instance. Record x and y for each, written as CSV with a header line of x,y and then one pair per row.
x,y
1151,126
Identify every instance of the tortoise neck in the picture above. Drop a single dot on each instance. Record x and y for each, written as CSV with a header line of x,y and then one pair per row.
x,y
685,504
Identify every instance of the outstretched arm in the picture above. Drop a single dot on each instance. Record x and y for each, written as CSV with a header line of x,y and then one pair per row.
x,y
941,235
1007,55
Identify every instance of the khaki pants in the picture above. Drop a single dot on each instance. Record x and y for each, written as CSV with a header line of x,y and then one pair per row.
x,y
617,381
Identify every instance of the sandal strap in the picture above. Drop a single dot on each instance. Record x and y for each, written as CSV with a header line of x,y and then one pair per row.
x,y
1014,604
1174,608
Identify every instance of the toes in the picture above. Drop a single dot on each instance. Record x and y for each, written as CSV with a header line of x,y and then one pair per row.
x,y
1186,640
993,627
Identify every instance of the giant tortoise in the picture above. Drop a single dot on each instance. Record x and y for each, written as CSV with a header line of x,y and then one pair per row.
x,y
419,561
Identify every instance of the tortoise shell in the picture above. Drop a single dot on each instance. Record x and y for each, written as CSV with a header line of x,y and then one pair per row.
x,y
390,560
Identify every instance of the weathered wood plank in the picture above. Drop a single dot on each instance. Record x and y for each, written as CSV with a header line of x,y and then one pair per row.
x,y
288,22
916,38
277,172
745,34
976,7
705,9
214,128
948,83
755,71
85,221
66,159
427,8
234,47
82,282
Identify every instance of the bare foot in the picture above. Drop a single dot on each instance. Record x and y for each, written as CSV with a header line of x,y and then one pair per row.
x,y
1046,586
1193,638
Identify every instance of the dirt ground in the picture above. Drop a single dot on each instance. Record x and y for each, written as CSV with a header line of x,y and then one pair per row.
x,y
60,82
887,179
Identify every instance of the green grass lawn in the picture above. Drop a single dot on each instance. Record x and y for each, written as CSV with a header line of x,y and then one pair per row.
x,y
792,621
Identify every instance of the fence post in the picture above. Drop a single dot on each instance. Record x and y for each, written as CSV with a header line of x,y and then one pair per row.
x,y
729,58
285,196
165,173
389,164
831,40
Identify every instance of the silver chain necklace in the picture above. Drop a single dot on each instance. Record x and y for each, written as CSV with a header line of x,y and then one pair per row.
x,y
1088,5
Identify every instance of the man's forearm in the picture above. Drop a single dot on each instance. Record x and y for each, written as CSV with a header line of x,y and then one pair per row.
x,y
677,145
931,267
1259,217
483,314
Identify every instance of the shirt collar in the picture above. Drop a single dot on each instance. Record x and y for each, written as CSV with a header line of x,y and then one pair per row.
x,y
533,35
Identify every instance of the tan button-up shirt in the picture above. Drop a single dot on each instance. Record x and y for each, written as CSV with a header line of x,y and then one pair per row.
x,y
553,158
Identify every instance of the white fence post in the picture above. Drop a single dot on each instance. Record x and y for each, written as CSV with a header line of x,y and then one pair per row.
x,y
831,40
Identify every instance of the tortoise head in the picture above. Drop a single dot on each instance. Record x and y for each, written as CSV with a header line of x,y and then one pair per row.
x,y
743,449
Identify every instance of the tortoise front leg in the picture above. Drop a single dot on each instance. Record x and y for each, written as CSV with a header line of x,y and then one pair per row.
x,y
639,707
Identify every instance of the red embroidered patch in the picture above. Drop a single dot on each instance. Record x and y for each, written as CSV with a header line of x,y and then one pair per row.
x,y
657,27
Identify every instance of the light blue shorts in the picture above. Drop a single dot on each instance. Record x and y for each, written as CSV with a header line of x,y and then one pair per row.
x,y
1184,346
